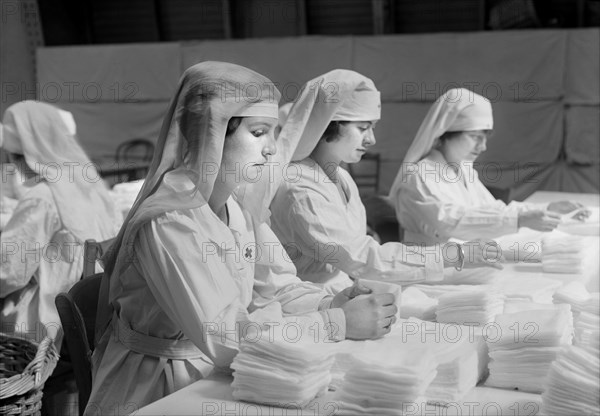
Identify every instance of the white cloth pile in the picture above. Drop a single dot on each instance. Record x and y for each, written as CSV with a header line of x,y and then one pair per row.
x,y
475,306
281,372
124,195
562,253
526,344
525,288
575,294
457,349
415,303
572,386
383,381
586,314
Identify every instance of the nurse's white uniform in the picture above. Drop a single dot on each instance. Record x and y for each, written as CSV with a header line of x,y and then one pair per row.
x,y
324,230
434,200
168,332
435,203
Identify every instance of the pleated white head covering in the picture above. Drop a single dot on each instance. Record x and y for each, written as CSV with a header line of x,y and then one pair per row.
x,y
45,136
458,109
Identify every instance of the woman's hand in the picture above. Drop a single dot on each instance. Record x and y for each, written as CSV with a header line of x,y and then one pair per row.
x,y
370,316
563,207
566,207
349,293
539,220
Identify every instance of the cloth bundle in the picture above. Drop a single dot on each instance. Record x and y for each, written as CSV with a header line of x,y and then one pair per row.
x,y
276,371
415,303
562,253
524,288
572,386
576,295
473,306
385,381
457,350
526,344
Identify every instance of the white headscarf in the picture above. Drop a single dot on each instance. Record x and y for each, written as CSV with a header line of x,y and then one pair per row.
x,y
340,94
458,109
44,135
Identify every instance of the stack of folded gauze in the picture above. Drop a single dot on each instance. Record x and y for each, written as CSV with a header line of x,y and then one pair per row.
x,y
575,294
457,349
572,386
278,371
562,253
415,303
384,381
475,306
586,320
587,325
526,288
525,344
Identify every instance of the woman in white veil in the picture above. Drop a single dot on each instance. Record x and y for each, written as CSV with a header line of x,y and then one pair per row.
x,y
438,194
62,202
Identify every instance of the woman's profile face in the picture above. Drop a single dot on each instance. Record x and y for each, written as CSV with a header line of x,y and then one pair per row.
x,y
247,149
465,147
354,139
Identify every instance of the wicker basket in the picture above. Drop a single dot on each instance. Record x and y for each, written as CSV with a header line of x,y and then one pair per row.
x,y
24,368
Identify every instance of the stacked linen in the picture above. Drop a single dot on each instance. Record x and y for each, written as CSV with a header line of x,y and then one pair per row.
x,y
384,381
415,303
457,350
476,306
525,288
586,314
525,345
282,372
575,294
563,253
572,386
587,325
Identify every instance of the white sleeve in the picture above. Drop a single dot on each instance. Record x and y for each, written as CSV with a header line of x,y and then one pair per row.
x,y
24,239
196,289
276,280
321,231
417,204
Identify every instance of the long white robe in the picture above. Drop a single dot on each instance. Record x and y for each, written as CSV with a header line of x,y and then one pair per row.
x,y
40,259
435,203
195,278
324,230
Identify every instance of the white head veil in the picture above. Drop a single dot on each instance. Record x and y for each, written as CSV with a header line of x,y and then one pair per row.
x,y
44,135
458,109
